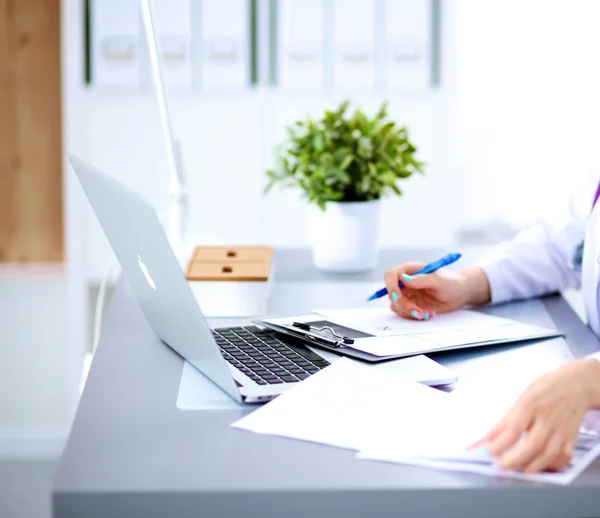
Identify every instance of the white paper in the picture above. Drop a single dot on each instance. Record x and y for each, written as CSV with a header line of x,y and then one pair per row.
x,y
197,392
225,44
408,43
394,345
354,44
115,31
395,336
349,405
509,331
345,405
173,27
442,440
480,464
301,44
381,321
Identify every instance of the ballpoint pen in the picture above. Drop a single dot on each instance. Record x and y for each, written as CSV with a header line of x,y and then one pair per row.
x,y
430,268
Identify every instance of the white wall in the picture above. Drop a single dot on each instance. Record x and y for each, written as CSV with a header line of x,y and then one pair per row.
x,y
34,336
35,389
524,103
512,126
227,145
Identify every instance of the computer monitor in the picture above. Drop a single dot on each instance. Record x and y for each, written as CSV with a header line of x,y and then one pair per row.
x,y
177,207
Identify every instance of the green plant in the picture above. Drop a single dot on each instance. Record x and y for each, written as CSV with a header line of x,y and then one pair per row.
x,y
345,158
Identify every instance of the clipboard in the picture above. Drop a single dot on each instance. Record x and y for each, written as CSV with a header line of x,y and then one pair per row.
x,y
323,338
325,331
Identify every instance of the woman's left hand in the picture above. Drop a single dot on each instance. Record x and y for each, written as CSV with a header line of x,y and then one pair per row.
x,y
539,432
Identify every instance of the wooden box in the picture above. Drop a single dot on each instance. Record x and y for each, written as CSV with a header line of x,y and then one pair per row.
x,y
231,281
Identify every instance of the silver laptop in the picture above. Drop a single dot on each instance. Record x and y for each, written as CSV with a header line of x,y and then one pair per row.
x,y
251,364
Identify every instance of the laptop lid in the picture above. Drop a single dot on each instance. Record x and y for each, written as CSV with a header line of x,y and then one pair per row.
x,y
177,197
153,272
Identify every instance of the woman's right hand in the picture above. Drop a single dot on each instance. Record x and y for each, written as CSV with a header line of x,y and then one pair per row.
x,y
425,295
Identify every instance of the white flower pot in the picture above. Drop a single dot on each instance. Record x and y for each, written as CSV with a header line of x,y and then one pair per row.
x,y
345,236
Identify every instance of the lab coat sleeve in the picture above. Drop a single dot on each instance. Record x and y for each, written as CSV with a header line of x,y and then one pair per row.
x,y
537,262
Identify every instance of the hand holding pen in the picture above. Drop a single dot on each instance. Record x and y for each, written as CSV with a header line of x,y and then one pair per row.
x,y
419,291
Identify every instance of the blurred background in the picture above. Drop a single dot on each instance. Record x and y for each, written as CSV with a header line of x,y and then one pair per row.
x,y
499,96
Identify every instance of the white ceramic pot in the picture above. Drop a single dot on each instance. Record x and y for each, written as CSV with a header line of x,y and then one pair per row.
x,y
345,236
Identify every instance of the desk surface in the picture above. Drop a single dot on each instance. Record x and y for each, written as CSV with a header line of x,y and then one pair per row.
x,y
131,452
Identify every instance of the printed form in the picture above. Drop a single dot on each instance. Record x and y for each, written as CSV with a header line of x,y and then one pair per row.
x,y
384,418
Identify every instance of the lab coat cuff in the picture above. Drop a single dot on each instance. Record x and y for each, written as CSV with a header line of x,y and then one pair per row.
x,y
500,287
595,356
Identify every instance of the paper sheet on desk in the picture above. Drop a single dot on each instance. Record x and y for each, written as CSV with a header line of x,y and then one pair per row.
x,y
418,343
381,321
479,463
352,406
379,332
344,405
466,418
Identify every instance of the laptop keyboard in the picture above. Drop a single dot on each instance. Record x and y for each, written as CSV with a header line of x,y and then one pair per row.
x,y
264,357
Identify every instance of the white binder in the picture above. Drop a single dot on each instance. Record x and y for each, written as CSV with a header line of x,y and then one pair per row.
x,y
354,26
115,44
173,29
300,44
409,37
226,44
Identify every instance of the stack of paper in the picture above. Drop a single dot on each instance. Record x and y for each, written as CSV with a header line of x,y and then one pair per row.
x,y
478,461
344,405
383,418
384,335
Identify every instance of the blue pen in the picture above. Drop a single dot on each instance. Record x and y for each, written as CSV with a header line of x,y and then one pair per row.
x,y
430,268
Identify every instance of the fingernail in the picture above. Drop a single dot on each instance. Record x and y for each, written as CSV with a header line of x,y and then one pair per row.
x,y
426,316
415,314
395,296
482,451
406,277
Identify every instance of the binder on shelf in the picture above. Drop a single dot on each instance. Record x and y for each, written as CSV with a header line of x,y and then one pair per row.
x,y
354,44
173,28
299,44
226,44
115,43
409,35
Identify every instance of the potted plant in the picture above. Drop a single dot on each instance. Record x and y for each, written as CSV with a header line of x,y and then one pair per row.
x,y
345,163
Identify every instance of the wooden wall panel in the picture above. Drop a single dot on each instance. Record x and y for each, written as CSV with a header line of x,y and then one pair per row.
x,y
31,227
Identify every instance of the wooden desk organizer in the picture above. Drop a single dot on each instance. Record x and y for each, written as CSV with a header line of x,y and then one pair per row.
x,y
236,263
231,281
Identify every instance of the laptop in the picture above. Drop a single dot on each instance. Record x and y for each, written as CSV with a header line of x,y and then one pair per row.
x,y
250,363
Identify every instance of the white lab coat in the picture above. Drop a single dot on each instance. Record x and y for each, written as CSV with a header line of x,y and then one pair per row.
x,y
543,258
